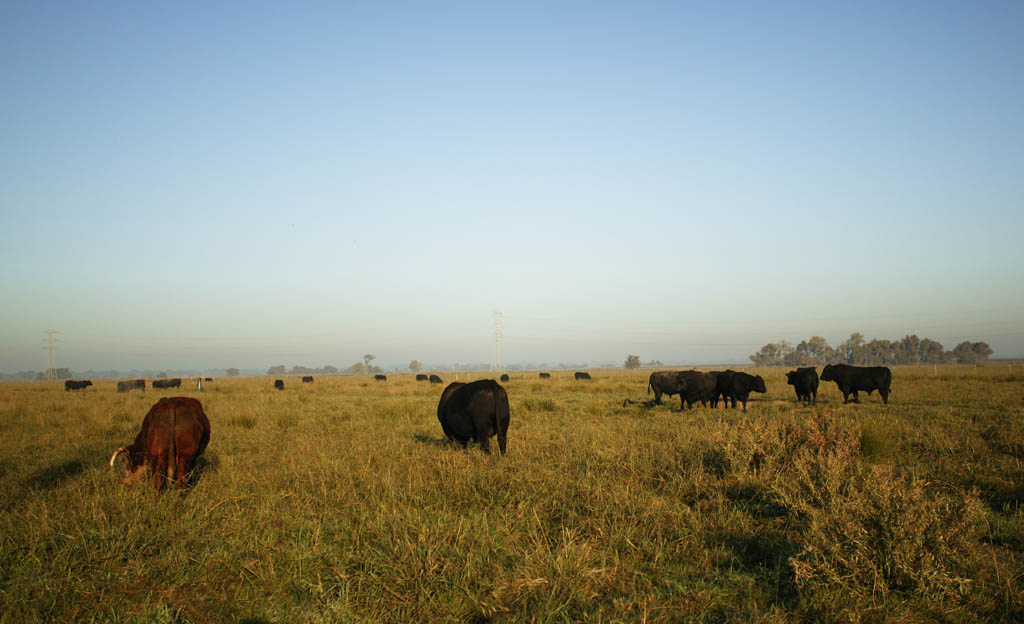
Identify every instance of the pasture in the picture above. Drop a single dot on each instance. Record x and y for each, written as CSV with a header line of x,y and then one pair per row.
x,y
338,501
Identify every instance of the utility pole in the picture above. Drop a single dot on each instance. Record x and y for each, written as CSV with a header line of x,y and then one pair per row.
x,y
497,340
50,340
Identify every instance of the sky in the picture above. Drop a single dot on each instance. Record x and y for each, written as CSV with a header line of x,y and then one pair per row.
x,y
249,184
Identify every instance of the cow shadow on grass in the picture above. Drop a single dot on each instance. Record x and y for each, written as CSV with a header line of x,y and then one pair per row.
x,y
53,476
432,441
765,556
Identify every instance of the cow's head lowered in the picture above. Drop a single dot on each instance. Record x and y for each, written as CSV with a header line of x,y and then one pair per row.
x,y
174,433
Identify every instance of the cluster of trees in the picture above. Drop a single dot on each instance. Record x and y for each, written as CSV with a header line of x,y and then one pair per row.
x,y
296,370
856,350
633,361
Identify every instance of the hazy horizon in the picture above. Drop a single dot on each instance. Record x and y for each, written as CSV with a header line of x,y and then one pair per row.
x,y
238,185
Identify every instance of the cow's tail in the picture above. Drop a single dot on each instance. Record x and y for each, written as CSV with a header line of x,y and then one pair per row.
x,y
501,415
648,386
172,450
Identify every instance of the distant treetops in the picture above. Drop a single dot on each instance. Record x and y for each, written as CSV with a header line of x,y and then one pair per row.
x,y
855,350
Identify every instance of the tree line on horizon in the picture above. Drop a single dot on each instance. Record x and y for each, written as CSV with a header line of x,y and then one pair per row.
x,y
816,351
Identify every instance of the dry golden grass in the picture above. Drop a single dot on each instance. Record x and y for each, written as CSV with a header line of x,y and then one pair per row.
x,y
338,501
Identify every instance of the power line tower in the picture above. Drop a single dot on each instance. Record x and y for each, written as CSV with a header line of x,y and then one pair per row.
x,y
50,341
497,340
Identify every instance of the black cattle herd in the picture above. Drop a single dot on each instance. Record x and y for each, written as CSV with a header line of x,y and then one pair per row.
x,y
175,431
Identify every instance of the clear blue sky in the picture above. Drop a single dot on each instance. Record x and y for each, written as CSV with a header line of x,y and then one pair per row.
x,y
248,184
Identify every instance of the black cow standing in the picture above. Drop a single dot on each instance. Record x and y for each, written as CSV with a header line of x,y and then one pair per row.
x,y
167,383
805,382
545,375
434,379
475,411
732,386
76,384
380,377
852,379
696,387
580,375
421,377
307,379
663,382
504,377
279,384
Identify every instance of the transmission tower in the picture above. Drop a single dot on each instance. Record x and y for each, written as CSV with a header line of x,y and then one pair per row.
x,y
50,341
497,340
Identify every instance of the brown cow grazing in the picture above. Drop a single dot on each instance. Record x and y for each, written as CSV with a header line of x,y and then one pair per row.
x,y
174,433
474,411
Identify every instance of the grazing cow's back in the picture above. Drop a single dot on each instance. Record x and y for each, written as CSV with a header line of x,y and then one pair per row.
x,y
174,433
582,375
131,384
805,382
421,377
167,383
76,384
545,375
434,379
475,411
852,379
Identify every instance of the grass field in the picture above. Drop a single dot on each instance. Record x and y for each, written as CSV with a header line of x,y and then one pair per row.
x,y
338,501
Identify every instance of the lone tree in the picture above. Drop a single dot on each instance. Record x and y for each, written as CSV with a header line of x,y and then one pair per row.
x,y
369,357
632,361
415,366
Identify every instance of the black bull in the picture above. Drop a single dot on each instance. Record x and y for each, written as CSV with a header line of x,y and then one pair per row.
x,y
475,411
852,379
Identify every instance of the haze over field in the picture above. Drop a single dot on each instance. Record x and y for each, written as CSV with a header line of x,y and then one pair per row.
x,y
242,185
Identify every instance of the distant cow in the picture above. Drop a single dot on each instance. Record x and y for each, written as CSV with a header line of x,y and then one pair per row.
x,y
805,382
731,385
474,412
504,377
76,384
307,379
663,382
580,375
279,384
208,379
545,375
380,377
167,383
696,387
421,377
435,379
852,379
174,433
131,384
